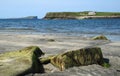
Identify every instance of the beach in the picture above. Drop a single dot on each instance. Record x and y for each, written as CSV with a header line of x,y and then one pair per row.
x,y
59,38
53,44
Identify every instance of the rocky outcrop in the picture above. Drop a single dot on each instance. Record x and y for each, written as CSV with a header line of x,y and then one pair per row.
x,y
21,62
28,61
100,37
81,57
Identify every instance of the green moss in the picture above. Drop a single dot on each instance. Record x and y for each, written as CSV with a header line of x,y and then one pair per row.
x,y
106,65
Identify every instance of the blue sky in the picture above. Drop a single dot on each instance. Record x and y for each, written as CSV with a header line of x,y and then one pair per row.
x,y
21,8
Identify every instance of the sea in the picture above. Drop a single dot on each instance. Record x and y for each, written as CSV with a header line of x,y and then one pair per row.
x,y
83,27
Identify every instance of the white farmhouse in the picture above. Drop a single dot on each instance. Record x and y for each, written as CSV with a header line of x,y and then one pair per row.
x,y
91,13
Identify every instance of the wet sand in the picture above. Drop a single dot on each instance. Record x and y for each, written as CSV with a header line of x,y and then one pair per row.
x,y
62,43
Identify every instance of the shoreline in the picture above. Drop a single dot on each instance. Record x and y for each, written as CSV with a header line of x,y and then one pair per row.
x,y
15,41
84,17
112,37
63,43
29,38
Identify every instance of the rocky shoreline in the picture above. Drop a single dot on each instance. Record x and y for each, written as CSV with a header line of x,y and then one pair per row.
x,y
97,17
53,45
82,17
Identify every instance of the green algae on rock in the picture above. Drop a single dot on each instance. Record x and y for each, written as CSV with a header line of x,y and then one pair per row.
x,y
106,65
21,62
100,37
80,57
46,60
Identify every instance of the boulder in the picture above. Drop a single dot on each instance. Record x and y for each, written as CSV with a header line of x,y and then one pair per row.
x,y
80,57
21,62
100,37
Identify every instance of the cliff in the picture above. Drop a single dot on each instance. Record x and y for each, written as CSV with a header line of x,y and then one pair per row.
x,y
81,15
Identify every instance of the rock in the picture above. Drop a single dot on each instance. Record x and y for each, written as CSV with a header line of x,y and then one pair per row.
x,y
46,60
100,37
80,57
21,62
51,40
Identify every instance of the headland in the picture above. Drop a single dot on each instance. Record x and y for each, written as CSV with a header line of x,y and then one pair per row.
x,y
81,15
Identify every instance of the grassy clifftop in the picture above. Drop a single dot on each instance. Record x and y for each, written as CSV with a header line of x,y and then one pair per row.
x,y
77,15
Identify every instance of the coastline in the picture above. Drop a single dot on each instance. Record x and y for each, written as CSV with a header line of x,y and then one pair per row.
x,y
82,17
97,17
63,43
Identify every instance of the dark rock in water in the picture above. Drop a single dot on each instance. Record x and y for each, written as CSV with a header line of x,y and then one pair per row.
x,y
101,37
51,40
81,57
21,62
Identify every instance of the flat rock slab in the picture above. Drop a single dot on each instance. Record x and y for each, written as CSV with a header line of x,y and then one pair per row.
x,y
21,62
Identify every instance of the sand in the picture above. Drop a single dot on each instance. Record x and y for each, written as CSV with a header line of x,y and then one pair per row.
x,y
62,43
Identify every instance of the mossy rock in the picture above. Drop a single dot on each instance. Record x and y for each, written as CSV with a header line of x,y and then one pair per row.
x,y
21,62
51,40
80,57
100,37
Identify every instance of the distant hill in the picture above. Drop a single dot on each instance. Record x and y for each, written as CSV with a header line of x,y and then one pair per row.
x,y
28,17
81,15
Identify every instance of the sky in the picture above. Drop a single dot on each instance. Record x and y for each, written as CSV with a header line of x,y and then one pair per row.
x,y
23,8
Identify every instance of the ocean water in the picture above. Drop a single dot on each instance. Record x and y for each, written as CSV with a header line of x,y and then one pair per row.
x,y
85,27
